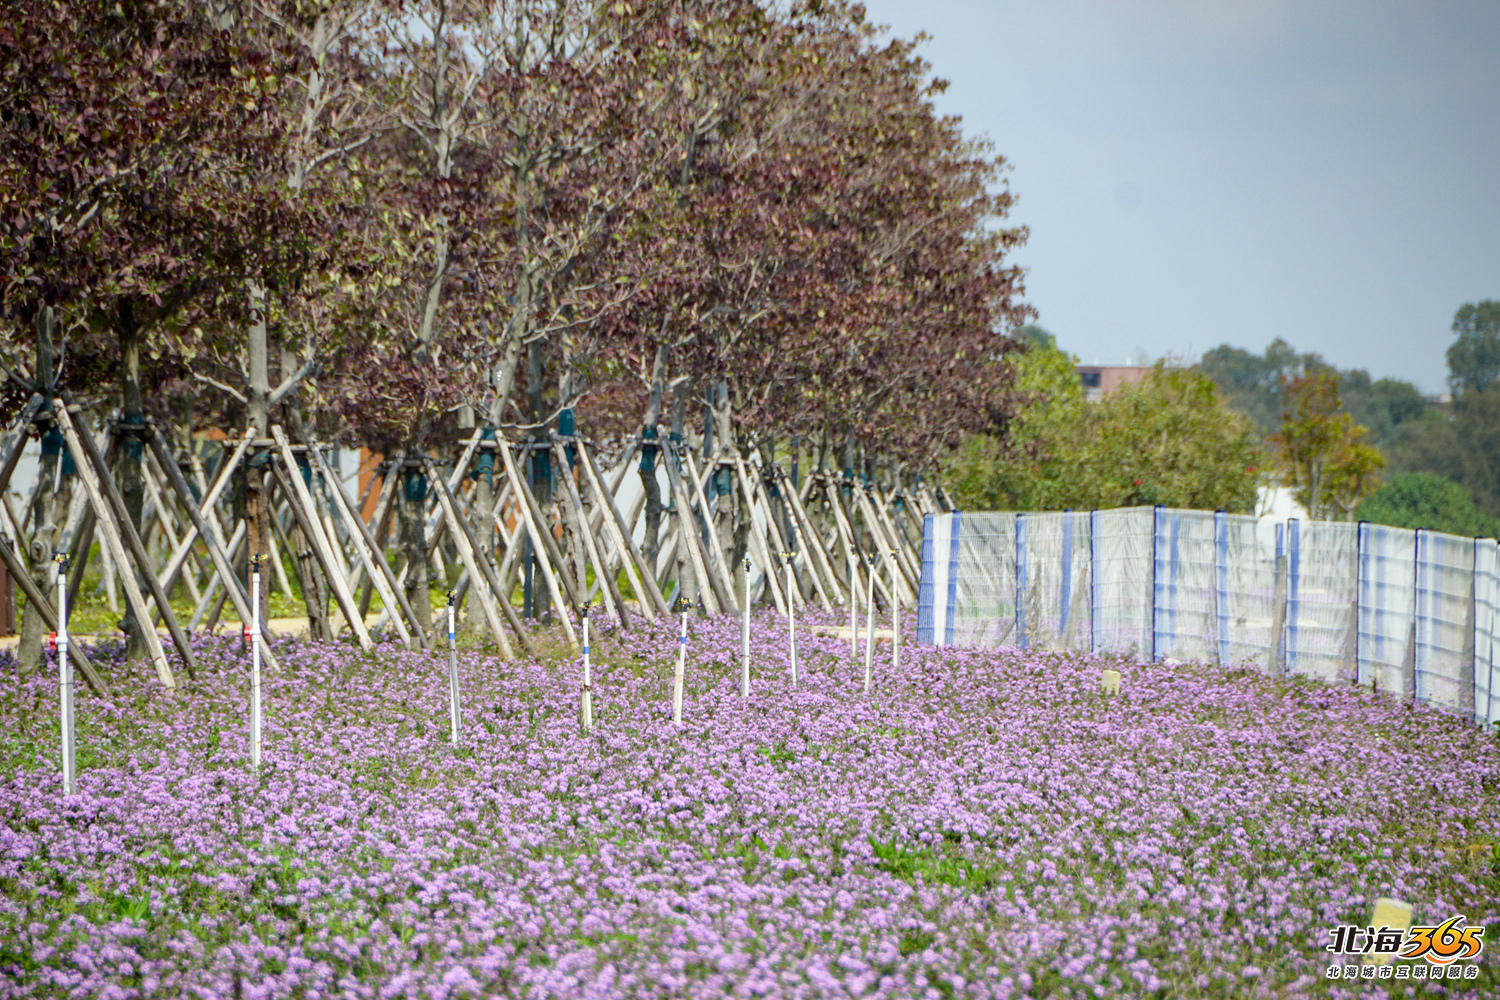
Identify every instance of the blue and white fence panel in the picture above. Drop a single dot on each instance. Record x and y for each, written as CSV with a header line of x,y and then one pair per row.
x,y
1123,557
1444,635
1414,614
1387,581
967,593
1486,632
1320,599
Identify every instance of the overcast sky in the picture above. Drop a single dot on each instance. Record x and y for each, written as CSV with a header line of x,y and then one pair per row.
x,y
1196,172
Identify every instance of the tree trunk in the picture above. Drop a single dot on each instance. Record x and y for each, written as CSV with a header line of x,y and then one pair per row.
x,y
48,508
687,583
414,541
128,455
541,473
314,591
257,512
649,484
721,483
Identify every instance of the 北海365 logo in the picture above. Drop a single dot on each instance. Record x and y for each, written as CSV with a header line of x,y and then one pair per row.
x,y
1448,942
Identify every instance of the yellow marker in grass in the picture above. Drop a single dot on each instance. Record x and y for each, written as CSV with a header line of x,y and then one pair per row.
x,y
1390,913
1109,681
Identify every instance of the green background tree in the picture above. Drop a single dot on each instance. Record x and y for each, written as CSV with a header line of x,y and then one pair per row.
x,y
1426,500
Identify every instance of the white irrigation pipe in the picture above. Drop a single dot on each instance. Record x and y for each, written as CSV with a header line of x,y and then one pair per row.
x,y
65,679
853,608
869,628
453,707
588,684
682,605
255,638
745,638
895,622
791,613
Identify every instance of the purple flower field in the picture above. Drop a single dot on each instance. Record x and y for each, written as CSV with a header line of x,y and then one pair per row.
x,y
986,824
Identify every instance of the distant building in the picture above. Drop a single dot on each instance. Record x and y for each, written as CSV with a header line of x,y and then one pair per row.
x,y
1101,380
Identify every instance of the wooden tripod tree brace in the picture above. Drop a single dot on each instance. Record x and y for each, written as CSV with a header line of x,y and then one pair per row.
x,y
373,560
623,535
484,584
307,515
222,564
541,542
614,602
112,523
44,607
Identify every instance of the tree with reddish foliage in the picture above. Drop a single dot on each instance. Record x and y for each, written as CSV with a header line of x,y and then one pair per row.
x,y
136,138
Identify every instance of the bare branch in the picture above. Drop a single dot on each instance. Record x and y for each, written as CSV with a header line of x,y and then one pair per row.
x,y
27,384
291,381
216,383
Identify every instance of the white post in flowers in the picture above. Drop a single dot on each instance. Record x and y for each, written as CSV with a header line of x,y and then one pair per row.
x,y
895,616
677,678
588,684
853,608
745,638
869,628
453,706
791,614
255,721
65,679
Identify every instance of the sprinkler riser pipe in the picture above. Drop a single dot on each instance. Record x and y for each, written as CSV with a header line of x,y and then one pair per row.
x,y
453,706
677,678
588,683
255,706
65,686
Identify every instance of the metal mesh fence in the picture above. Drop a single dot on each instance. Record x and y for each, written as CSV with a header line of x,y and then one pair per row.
x,y
1411,613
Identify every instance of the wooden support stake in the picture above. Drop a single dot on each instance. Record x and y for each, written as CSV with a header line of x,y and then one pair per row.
x,y
109,522
623,535
910,572
207,532
373,560
479,568
847,526
688,543
758,546
613,600
167,528
380,530
303,509
234,547
883,544
719,565
546,553
38,600
811,541
199,524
